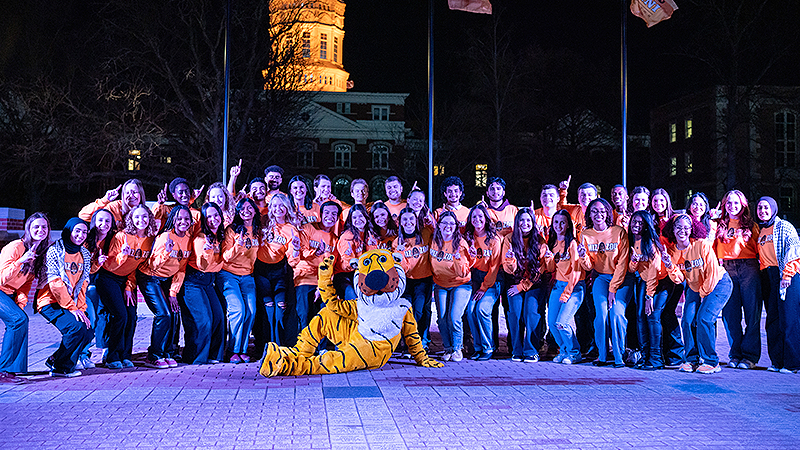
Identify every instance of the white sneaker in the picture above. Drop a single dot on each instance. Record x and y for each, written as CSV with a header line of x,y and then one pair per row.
x,y
446,356
786,371
559,358
567,360
85,363
773,369
457,356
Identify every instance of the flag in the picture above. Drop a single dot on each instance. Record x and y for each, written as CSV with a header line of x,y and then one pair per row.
x,y
475,6
653,11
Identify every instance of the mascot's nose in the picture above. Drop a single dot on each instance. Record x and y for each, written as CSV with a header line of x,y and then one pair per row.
x,y
376,280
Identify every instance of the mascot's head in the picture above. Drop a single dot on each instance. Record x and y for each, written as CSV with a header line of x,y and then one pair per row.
x,y
379,279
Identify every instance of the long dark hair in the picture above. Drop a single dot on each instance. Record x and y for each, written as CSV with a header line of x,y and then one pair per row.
x,y
569,235
746,221
698,230
668,212
417,235
91,238
39,248
469,228
438,239
307,201
391,225
169,224
219,236
238,225
348,224
527,255
706,218
648,234
609,212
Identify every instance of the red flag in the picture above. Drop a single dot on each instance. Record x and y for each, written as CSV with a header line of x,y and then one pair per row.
x,y
653,11
475,6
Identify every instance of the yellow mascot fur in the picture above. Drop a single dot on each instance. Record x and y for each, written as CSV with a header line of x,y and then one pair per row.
x,y
365,331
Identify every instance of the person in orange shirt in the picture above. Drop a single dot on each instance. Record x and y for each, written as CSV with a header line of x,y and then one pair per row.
x,y
61,297
383,226
235,280
301,202
160,278
273,177
608,250
544,215
586,193
416,201
323,192
661,208
21,261
413,243
116,283
359,190
132,192
501,212
201,309
308,248
523,251
779,251
736,245
451,262
619,199
485,246
568,290
272,274
350,246
452,189
217,193
180,191
690,257
394,193
257,191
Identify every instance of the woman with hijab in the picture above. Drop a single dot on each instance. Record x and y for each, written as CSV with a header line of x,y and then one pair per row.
x,y
61,298
779,253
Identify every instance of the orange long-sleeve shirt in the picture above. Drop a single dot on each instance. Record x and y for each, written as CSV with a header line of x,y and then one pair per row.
x,y
768,258
568,267
116,208
503,219
446,269
488,259
738,246
510,263
205,256
12,282
462,213
543,221
161,212
575,211
346,249
238,258
315,245
163,263
608,252
125,265
621,219
697,264
394,210
651,270
55,291
276,243
416,261
308,215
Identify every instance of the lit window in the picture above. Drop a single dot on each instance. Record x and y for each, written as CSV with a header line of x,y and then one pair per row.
x,y
380,112
689,194
438,170
342,154
673,132
688,160
785,139
166,159
687,126
673,166
134,160
481,174
335,49
380,156
305,154
323,46
307,45
786,199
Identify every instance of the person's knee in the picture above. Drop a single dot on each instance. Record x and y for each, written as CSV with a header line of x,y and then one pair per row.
x,y
18,321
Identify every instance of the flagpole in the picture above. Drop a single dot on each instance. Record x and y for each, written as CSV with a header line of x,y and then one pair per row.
x,y
227,94
430,104
624,89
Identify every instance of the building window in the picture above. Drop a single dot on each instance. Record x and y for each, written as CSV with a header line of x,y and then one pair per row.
x,y
785,139
341,188
673,132
342,155
786,199
380,156
323,46
438,170
481,175
347,108
687,128
377,188
305,154
306,45
689,194
673,166
380,112
336,49
134,160
339,108
687,159
166,159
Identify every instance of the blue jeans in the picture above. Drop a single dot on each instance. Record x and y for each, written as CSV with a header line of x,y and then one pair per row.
x,y
450,306
523,322
650,329
560,318
165,322
746,295
121,318
479,314
343,282
271,286
701,314
14,356
203,318
613,320
74,336
418,292
240,296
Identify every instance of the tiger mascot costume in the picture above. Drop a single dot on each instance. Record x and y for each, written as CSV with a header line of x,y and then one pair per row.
x,y
365,330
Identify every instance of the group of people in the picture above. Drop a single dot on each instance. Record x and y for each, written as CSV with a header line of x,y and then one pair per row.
x,y
596,280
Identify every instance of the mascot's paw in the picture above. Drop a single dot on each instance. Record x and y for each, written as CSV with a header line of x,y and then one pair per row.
x,y
273,361
431,363
326,266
